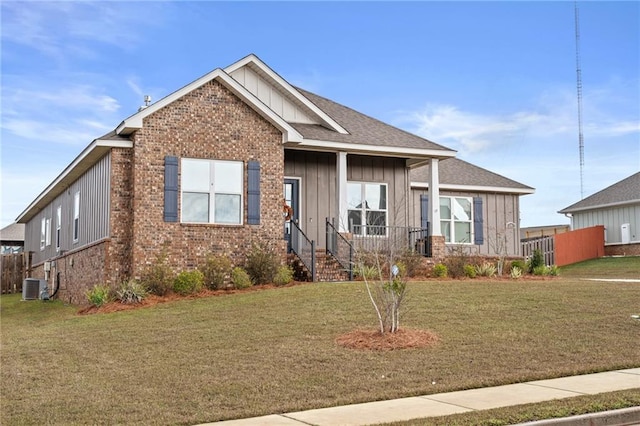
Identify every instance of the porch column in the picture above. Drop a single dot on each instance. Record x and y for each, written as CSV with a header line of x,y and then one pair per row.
x,y
434,199
341,191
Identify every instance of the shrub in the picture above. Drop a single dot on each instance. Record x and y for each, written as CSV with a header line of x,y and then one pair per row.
x,y
188,282
520,264
440,270
540,270
554,270
470,271
284,276
262,264
131,291
99,295
158,278
536,260
411,260
216,271
239,278
365,271
486,269
456,260
516,272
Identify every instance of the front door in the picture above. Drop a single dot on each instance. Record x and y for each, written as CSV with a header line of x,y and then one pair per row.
x,y
292,200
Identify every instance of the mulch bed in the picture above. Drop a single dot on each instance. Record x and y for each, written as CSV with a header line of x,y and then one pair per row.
x,y
404,338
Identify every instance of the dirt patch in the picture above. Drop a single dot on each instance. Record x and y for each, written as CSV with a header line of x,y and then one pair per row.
x,y
404,338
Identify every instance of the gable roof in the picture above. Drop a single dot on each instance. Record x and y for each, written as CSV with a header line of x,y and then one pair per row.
x,y
627,191
12,233
364,132
456,174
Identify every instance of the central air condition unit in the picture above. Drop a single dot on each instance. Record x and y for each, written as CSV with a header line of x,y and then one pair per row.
x,y
30,289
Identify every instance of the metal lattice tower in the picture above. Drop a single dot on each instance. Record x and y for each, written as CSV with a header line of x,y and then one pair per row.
x,y
579,88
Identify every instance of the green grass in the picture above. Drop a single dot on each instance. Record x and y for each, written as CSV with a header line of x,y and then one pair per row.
x,y
605,267
274,351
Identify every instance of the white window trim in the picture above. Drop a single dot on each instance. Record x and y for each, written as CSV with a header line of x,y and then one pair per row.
x,y
76,217
43,231
212,192
58,227
47,232
363,233
452,221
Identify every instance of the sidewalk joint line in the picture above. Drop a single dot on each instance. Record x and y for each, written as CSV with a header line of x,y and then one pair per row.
x,y
296,420
555,388
447,403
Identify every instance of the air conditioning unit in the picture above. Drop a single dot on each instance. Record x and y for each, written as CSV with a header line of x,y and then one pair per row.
x,y
30,289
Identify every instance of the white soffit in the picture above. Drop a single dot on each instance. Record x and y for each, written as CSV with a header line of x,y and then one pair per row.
x,y
268,74
475,188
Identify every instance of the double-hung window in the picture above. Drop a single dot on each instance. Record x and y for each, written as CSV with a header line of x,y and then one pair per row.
x,y
367,205
47,232
43,233
456,219
58,226
211,191
76,216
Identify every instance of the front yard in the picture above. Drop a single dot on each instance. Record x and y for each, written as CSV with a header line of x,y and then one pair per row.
x,y
262,352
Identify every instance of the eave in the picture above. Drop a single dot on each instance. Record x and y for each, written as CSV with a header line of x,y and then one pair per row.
x,y
599,206
83,162
476,188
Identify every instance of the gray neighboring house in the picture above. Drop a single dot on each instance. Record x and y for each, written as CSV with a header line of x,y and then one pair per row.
x,y
617,207
12,238
478,208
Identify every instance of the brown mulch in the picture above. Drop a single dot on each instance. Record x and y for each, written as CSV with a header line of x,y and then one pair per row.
x,y
404,338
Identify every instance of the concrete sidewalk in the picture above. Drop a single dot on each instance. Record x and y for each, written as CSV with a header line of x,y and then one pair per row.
x,y
443,404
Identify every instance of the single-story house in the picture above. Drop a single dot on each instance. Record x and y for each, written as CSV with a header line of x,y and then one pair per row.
x,y
12,238
207,169
617,207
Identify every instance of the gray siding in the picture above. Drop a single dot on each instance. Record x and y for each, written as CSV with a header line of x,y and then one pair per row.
x,y
317,174
93,186
612,218
498,211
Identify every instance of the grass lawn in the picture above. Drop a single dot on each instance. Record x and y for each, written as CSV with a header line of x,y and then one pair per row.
x,y
273,351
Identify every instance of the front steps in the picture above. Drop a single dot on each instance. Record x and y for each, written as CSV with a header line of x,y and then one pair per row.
x,y
327,268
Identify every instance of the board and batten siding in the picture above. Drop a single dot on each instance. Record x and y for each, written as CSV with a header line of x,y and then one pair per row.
x,y
93,224
316,172
612,218
271,96
498,211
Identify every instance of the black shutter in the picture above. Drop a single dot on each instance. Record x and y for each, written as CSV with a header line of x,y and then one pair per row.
x,y
253,193
424,212
170,189
478,230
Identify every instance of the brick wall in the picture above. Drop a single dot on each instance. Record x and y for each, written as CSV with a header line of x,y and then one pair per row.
x,y
209,123
119,252
622,250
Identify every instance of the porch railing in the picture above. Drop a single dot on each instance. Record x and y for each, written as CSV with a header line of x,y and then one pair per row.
x,y
304,248
398,239
339,247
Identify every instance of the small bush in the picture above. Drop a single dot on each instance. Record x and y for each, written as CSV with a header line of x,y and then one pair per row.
x,y
470,271
216,271
486,269
440,271
262,264
99,295
158,278
130,292
412,261
535,261
366,272
284,276
516,272
540,270
240,278
520,264
554,270
188,282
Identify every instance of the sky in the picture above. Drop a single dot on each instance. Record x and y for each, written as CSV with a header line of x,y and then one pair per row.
x,y
495,81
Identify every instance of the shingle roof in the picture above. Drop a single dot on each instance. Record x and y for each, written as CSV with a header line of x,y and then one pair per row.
x,y
13,232
362,128
454,171
623,192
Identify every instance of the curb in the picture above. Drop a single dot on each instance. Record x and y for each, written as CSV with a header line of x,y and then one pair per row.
x,y
622,417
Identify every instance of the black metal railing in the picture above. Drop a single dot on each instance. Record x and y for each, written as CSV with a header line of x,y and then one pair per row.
x,y
304,248
339,247
398,239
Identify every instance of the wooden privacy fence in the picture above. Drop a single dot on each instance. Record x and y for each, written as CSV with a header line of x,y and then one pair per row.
x,y
569,247
12,268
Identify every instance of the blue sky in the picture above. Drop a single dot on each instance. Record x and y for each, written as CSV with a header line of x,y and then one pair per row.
x,y
494,80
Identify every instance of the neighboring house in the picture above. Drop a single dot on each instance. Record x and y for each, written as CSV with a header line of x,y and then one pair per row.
x,y
12,238
205,170
533,232
618,209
